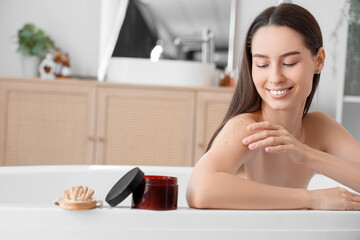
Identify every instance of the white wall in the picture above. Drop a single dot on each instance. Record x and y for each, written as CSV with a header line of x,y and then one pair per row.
x,y
350,120
74,25
328,14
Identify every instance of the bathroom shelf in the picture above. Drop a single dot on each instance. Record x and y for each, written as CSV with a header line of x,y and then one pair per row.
x,y
352,99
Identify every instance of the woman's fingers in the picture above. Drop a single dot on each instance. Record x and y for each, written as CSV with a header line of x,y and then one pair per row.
x,y
337,199
268,134
259,136
274,139
355,197
355,206
354,201
277,149
270,142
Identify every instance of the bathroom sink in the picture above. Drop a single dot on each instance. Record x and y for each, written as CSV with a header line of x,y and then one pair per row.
x,y
163,72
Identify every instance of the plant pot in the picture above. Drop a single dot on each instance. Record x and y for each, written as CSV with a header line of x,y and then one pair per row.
x,y
30,66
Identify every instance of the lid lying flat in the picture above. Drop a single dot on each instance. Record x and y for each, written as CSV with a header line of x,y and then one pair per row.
x,y
124,187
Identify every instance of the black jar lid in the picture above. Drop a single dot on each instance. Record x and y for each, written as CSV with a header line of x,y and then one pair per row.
x,y
124,187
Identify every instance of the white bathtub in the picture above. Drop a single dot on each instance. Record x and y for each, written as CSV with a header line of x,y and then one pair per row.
x,y
27,211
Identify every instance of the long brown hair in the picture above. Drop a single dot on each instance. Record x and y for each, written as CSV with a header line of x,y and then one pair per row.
x,y
246,99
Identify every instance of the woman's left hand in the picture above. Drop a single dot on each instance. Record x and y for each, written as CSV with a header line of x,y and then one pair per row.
x,y
275,139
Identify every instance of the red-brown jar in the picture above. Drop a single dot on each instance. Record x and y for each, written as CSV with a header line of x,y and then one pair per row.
x,y
156,193
149,191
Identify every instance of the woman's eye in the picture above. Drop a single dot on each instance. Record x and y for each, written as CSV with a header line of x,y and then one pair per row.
x,y
290,64
261,65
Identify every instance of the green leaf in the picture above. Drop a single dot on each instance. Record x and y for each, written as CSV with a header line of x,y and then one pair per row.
x,y
33,41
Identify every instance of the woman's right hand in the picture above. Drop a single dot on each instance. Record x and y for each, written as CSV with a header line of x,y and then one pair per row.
x,y
334,199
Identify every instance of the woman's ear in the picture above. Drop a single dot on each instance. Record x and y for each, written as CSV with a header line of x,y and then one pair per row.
x,y
320,60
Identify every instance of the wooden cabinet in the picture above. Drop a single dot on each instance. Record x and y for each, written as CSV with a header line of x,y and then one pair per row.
x,y
211,110
44,124
86,122
145,127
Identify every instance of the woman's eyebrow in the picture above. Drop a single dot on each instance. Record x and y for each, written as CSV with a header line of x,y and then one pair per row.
x,y
282,55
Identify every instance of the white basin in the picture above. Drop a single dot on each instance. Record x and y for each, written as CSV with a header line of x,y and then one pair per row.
x,y
164,72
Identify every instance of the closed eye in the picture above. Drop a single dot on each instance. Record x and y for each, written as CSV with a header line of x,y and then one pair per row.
x,y
290,64
262,65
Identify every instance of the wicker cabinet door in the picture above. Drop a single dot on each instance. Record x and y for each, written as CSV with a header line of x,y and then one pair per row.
x,y
46,124
211,110
145,127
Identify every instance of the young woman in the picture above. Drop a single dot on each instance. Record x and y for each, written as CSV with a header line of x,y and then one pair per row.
x,y
269,147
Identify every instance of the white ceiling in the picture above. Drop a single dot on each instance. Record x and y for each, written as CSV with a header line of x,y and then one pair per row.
x,y
187,18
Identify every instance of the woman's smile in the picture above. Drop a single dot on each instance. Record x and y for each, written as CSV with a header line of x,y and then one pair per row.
x,y
279,93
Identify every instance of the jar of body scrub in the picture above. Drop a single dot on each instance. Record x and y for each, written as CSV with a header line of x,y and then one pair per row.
x,y
149,191
156,193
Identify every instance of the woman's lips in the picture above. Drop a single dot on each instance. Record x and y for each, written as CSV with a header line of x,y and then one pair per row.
x,y
279,93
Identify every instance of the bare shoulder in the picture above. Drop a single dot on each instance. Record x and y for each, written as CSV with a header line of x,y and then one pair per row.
x,y
319,122
242,120
237,126
227,152
331,135
313,116
231,135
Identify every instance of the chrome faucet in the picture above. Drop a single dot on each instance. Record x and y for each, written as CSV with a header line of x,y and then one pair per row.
x,y
207,43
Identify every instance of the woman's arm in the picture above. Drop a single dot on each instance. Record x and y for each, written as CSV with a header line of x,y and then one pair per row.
x,y
209,188
213,183
340,159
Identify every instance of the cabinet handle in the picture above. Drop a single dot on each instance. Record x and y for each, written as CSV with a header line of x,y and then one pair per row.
x,y
90,138
101,139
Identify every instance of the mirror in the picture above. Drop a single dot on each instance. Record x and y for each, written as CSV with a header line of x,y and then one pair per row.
x,y
179,27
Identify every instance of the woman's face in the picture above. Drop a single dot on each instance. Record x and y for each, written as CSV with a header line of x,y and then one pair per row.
x,y
283,68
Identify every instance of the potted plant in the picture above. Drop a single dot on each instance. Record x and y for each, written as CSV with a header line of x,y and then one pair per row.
x,y
33,45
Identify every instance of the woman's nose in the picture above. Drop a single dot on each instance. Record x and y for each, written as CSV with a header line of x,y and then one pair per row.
x,y
276,75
